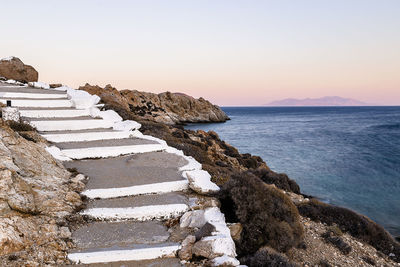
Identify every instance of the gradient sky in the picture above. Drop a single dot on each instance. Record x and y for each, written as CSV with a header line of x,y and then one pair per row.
x,y
230,52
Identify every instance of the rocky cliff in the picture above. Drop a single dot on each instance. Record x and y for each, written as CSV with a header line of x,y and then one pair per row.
x,y
169,108
37,194
13,68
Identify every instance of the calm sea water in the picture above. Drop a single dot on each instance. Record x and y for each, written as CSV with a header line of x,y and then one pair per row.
x,y
348,156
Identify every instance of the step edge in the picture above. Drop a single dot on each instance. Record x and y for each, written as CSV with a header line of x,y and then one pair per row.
x,y
137,190
124,254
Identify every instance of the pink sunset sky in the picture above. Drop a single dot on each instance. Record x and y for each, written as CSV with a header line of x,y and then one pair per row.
x,y
233,53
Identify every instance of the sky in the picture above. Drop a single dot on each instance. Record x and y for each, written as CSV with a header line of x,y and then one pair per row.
x,y
233,53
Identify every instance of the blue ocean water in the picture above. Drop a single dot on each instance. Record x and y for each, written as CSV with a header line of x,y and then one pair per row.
x,y
347,156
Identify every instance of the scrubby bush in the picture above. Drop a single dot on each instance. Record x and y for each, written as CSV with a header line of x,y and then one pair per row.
x,y
281,180
268,216
20,126
267,257
355,224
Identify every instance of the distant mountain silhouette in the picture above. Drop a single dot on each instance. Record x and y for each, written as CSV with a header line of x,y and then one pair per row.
x,y
323,101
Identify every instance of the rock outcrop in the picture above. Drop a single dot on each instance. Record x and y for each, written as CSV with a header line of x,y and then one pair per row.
x,y
13,68
36,195
169,108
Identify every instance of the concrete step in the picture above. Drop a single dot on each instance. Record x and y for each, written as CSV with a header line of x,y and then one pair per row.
x,y
110,151
51,103
138,201
110,234
33,98
139,208
142,213
147,173
53,113
29,90
127,253
89,136
94,130
17,95
108,148
105,143
163,262
63,125
80,118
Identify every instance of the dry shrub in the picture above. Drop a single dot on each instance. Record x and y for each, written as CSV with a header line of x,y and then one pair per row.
x,y
267,257
337,241
281,180
268,216
355,224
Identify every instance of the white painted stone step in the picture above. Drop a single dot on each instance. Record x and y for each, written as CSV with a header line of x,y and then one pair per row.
x,y
31,95
155,188
54,113
134,254
110,151
90,136
65,125
142,213
53,103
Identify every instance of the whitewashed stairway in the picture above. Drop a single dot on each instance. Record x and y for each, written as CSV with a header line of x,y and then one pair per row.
x,y
135,181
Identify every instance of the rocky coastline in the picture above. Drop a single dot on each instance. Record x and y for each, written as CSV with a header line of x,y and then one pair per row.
x,y
169,108
271,222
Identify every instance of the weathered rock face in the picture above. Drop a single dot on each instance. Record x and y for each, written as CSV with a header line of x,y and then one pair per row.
x,y
13,68
36,195
170,108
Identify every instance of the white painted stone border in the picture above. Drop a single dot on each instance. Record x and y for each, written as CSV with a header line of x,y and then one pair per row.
x,y
109,151
54,113
40,103
140,213
146,189
31,95
124,254
70,125
90,136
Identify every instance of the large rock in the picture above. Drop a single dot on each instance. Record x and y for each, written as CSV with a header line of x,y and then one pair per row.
x,y
13,68
36,195
214,246
170,108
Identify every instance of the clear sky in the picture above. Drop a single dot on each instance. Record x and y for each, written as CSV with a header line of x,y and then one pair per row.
x,y
230,52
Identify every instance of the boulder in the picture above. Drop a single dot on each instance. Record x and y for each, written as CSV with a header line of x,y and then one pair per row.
x,y
186,251
200,182
236,230
224,261
214,246
14,68
193,219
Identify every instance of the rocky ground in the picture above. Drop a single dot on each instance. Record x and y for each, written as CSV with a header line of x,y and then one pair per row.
x,y
349,252
37,194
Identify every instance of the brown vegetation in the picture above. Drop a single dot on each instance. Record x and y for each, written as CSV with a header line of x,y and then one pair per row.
x,y
268,216
267,257
355,224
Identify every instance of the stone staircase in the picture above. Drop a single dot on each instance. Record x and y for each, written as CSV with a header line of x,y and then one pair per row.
x,y
135,183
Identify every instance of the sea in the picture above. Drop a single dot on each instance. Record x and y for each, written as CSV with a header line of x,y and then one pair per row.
x,y
345,156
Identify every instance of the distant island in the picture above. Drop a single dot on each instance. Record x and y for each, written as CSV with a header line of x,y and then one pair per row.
x,y
322,101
